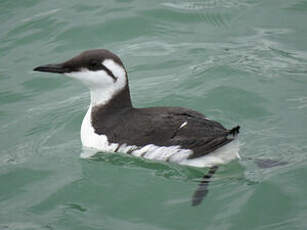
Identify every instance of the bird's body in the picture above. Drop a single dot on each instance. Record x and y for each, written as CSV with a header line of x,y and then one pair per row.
x,y
159,133
112,124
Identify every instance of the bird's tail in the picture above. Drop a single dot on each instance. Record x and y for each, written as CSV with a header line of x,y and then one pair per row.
x,y
234,131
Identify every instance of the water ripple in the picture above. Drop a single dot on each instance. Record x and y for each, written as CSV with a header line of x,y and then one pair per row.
x,y
299,6
40,15
257,54
301,101
209,4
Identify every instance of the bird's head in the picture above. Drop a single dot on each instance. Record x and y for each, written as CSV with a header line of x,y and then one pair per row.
x,y
100,70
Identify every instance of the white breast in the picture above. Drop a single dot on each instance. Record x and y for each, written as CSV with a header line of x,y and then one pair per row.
x,y
90,139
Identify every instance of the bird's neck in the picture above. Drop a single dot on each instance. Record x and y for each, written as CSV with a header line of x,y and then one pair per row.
x,y
103,106
111,98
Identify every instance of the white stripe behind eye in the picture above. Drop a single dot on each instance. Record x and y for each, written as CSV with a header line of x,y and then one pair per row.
x,y
115,68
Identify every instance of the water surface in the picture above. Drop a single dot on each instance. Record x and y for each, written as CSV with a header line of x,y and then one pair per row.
x,y
237,61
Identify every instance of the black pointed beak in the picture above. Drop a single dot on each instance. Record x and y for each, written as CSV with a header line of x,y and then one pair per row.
x,y
52,68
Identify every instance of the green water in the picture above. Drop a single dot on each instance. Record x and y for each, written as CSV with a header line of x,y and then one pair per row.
x,y
237,61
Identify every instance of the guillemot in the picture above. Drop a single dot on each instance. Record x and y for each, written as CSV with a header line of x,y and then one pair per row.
x,y
112,124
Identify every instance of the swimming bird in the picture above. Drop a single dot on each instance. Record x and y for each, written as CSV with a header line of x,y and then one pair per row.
x,y
113,124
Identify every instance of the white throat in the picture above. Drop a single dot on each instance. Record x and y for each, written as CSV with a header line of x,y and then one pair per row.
x,y
102,86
